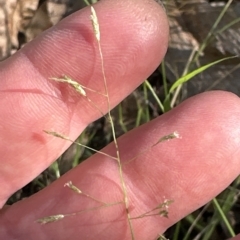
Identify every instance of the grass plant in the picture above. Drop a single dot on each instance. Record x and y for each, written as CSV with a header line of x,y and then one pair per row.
x,y
162,208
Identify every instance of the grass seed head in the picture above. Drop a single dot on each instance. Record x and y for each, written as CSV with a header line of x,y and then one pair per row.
x,y
71,186
95,23
49,219
169,137
55,134
78,87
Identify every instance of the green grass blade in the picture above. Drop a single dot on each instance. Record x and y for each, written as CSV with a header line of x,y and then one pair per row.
x,y
223,216
196,72
86,2
211,32
167,101
149,86
164,76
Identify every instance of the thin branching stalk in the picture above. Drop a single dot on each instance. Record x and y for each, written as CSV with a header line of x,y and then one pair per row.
x,y
59,135
96,28
57,217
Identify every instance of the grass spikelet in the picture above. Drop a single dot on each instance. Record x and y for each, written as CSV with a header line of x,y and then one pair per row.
x,y
73,187
49,219
168,137
78,87
55,134
95,23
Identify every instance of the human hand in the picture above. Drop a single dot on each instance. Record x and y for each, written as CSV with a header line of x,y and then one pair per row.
x,y
190,171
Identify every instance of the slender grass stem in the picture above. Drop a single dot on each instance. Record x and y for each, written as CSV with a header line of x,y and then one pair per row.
x,y
223,216
96,28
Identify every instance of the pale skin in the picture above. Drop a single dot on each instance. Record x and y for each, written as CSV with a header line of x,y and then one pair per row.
x,y
190,171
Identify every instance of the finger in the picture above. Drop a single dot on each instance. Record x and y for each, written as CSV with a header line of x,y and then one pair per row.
x,y
31,103
190,171
236,238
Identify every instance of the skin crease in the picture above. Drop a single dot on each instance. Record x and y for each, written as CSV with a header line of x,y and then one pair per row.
x,y
190,170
